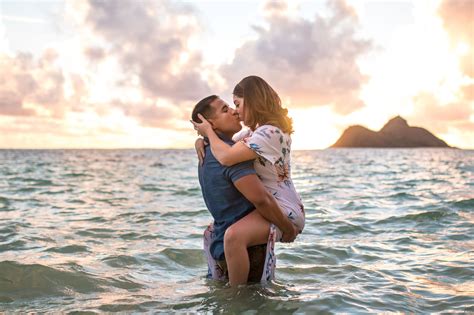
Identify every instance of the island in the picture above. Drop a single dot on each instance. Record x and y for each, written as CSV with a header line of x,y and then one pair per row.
x,y
395,134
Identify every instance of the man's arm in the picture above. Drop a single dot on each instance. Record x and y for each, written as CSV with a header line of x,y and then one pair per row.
x,y
252,188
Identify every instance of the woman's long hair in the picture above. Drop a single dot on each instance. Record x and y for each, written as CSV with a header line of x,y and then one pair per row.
x,y
262,105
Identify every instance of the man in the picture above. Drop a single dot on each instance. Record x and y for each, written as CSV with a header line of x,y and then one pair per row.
x,y
230,193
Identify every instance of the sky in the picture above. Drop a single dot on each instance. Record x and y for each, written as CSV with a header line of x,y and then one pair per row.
x,y
127,73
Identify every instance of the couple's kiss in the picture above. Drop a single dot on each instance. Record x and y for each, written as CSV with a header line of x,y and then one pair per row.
x,y
245,179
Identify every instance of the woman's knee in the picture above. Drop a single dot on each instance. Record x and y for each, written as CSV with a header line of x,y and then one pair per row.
x,y
231,237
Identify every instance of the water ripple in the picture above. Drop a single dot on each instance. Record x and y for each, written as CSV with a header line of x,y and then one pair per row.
x,y
93,231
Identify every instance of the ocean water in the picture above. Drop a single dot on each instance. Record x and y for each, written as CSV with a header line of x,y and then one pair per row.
x,y
387,230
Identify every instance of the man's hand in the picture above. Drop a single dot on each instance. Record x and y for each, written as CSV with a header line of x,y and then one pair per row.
x,y
199,146
289,235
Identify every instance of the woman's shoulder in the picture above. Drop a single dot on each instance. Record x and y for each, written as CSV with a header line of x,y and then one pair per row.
x,y
268,128
270,131
242,134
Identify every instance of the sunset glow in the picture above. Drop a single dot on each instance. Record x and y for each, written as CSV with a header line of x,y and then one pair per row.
x,y
126,74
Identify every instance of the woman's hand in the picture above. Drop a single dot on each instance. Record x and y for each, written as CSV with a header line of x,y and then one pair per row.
x,y
199,146
203,128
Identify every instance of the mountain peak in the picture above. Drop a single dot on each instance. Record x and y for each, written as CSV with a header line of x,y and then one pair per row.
x,y
394,124
395,134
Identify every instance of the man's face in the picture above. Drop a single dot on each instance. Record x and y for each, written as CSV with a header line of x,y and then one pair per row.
x,y
224,118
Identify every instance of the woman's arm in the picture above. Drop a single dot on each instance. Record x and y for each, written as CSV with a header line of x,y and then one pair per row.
x,y
226,155
229,155
200,150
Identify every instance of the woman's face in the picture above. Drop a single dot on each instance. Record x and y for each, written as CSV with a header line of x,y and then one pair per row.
x,y
239,106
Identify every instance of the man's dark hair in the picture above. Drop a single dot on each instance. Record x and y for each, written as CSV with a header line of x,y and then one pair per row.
x,y
204,108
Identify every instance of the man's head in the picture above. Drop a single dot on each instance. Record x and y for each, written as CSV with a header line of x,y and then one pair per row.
x,y
223,118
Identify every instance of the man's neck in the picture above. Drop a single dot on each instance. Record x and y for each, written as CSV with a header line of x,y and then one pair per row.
x,y
224,136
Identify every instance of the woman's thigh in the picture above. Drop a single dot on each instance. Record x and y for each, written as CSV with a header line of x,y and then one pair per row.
x,y
253,229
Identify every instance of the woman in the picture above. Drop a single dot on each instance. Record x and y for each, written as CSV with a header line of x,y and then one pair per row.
x,y
268,142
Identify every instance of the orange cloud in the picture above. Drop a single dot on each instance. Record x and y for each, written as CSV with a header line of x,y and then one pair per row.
x,y
311,63
150,42
458,20
441,117
468,92
31,86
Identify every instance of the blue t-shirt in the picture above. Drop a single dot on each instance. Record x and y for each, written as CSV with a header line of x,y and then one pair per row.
x,y
226,204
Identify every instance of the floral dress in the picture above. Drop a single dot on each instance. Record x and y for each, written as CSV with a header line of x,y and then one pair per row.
x,y
214,271
273,167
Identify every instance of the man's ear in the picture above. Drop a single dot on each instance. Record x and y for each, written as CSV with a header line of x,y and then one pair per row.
x,y
210,121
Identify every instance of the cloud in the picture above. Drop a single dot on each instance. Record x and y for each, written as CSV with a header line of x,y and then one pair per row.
x,y
468,92
150,41
95,54
30,85
276,8
11,105
154,115
441,117
458,20
135,57
311,63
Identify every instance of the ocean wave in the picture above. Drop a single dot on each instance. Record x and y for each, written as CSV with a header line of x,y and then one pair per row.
x,y
184,257
97,233
119,261
403,196
112,201
33,181
157,164
188,192
14,245
393,235
57,192
122,307
347,227
30,281
7,232
424,216
4,202
93,219
149,187
26,190
76,175
69,249
76,201
130,236
178,214
464,204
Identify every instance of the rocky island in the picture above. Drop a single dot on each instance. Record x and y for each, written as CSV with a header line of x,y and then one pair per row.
x,y
395,134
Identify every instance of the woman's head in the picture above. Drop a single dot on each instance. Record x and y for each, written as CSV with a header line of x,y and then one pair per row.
x,y
258,104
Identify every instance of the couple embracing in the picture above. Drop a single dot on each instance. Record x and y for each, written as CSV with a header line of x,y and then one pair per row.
x,y
245,181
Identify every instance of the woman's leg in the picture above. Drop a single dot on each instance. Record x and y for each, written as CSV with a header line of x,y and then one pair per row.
x,y
251,230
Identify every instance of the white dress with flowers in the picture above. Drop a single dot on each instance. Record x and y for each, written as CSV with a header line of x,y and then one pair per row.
x,y
273,167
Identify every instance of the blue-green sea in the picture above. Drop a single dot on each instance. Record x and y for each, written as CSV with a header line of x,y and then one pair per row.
x,y
387,230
